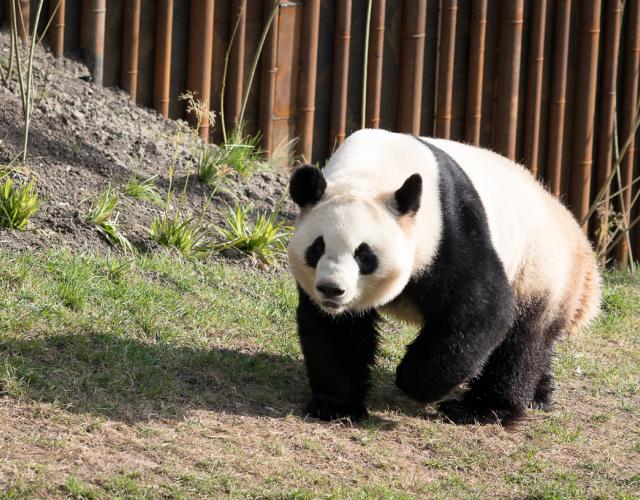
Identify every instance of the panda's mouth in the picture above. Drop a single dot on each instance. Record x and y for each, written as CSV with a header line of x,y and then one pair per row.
x,y
333,307
330,304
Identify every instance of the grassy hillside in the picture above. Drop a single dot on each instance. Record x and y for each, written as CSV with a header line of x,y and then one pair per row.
x,y
157,377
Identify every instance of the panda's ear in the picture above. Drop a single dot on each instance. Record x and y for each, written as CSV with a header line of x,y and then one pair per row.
x,y
406,200
307,185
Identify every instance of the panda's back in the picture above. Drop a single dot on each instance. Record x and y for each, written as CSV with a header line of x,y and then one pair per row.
x,y
543,249
373,162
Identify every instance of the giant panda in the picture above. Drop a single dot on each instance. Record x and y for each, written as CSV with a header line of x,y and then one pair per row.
x,y
457,240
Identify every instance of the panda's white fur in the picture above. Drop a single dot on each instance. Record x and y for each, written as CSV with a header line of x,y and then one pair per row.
x,y
542,248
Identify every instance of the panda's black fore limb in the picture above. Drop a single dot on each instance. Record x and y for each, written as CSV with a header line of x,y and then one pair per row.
x,y
338,353
464,295
327,408
453,347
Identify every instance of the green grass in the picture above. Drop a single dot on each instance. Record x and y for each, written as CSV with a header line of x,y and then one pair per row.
x,y
209,165
143,189
183,233
129,332
102,206
100,214
264,239
241,152
18,203
155,376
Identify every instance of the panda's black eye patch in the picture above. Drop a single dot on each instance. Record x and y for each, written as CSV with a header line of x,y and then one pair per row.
x,y
314,252
366,259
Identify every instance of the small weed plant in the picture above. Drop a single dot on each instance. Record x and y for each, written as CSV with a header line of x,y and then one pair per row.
x,y
176,228
18,203
110,232
264,239
102,206
209,166
180,232
143,189
241,151
100,214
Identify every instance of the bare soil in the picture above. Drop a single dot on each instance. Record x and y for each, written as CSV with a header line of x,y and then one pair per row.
x,y
84,138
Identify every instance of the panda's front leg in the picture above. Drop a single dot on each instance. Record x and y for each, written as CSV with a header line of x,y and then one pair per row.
x,y
451,351
338,352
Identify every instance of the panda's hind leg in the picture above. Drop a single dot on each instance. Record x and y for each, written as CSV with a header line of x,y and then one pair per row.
x,y
516,375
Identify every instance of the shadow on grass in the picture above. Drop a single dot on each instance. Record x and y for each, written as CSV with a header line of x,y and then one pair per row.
x,y
131,381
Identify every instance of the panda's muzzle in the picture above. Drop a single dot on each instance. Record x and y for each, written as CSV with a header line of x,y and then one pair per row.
x,y
330,290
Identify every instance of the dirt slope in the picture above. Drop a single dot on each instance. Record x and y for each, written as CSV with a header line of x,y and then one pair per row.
x,y
84,138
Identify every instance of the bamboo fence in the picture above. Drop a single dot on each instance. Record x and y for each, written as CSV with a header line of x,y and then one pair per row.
x,y
549,83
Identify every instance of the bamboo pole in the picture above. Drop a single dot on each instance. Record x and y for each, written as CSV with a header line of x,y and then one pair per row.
x,y
507,96
236,66
130,47
584,126
200,56
162,76
414,19
629,105
308,73
534,87
610,60
340,73
558,100
446,60
374,70
475,83
268,83
56,35
92,36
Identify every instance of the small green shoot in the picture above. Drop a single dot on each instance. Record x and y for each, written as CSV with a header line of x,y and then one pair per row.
x,y
264,239
102,206
241,151
180,233
110,232
99,214
17,204
209,166
143,189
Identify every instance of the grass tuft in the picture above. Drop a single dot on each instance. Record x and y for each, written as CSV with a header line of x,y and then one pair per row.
x,y
100,213
241,152
210,166
181,233
17,204
110,232
102,206
143,189
74,488
264,239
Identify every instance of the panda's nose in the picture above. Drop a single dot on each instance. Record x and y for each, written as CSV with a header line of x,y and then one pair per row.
x,y
330,290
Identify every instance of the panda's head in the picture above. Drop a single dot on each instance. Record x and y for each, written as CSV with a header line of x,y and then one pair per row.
x,y
350,252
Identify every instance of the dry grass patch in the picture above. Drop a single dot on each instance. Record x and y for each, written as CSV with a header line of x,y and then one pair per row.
x,y
155,377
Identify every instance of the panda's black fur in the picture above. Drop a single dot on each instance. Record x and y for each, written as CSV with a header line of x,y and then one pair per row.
x,y
474,331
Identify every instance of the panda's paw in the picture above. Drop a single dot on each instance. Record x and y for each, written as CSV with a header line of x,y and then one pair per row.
x,y
545,405
462,412
327,408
